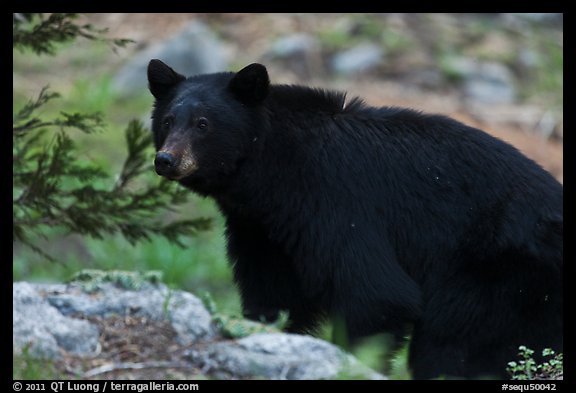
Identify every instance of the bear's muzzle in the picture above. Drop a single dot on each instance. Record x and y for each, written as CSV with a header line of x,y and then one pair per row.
x,y
174,166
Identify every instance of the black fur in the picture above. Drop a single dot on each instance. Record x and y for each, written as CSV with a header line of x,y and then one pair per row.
x,y
386,217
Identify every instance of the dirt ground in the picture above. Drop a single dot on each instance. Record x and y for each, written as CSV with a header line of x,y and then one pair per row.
x,y
132,348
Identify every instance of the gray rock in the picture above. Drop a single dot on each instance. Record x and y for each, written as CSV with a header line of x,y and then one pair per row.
x,y
484,82
185,312
194,50
293,45
528,58
359,59
299,52
47,319
44,330
281,356
189,317
424,77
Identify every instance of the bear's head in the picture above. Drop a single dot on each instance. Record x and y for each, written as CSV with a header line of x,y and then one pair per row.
x,y
203,125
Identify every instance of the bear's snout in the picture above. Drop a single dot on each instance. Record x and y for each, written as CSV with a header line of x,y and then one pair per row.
x,y
165,164
170,165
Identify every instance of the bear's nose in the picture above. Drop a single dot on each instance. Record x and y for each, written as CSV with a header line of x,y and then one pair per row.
x,y
165,163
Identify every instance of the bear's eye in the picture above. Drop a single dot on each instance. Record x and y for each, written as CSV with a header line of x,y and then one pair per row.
x,y
167,123
202,123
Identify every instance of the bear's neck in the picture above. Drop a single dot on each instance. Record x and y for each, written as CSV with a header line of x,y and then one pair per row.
x,y
293,117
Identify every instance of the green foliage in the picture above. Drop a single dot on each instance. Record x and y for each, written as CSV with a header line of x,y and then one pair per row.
x,y
209,302
166,304
232,326
377,351
527,368
237,327
56,187
25,121
91,279
339,332
399,369
41,32
25,366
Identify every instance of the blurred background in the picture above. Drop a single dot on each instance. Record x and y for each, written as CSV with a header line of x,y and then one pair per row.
x,y
500,72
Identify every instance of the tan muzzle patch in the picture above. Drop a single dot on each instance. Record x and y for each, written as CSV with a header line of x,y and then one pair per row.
x,y
185,164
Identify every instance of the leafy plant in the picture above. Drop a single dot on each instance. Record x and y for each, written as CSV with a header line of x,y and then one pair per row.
x,y
528,368
41,32
55,187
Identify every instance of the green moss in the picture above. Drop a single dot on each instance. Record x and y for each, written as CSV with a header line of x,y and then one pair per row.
x,y
238,327
91,279
233,326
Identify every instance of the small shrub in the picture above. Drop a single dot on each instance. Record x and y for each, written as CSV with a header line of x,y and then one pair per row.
x,y
528,368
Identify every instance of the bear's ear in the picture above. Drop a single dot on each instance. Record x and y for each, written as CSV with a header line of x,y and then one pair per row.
x,y
250,84
162,78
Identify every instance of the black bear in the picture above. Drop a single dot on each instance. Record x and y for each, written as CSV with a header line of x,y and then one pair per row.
x,y
387,218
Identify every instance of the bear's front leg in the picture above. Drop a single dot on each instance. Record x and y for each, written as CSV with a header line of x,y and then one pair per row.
x,y
266,292
266,278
